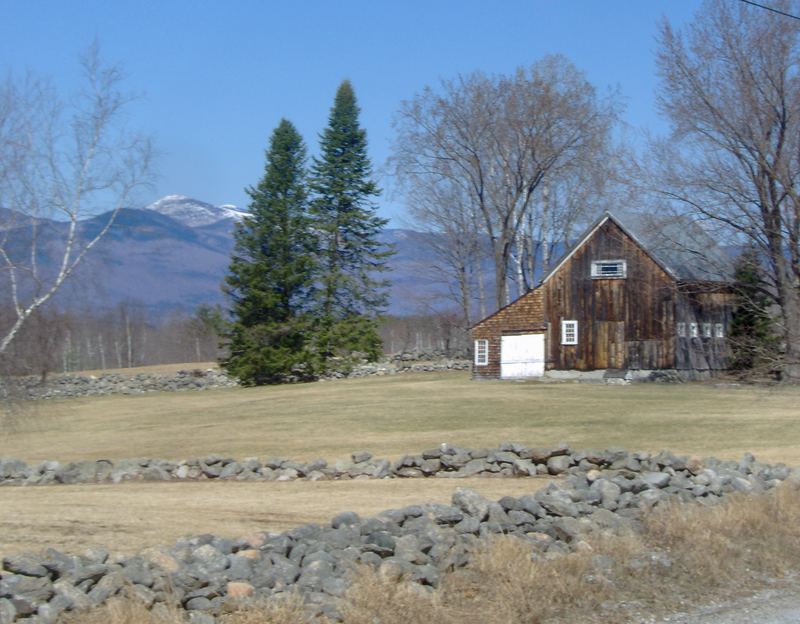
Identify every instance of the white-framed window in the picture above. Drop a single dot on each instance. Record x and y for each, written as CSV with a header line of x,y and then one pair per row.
x,y
481,352
719,330
569,332
609,269
694,330
680,329
706,330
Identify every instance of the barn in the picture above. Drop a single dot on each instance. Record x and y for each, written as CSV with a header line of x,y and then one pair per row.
x,y
622,302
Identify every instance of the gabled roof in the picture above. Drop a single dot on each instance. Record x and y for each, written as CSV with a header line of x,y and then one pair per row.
x,y
680,247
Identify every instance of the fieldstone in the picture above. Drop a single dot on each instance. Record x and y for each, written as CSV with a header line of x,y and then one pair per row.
x,y
348,518
106,587
198,617
656,479
136,571
210,558
471,503
608,491
24,606
558,464
198,604
559,506
212,471
334,586
474,467
77,599
8,612
230,470
236,589
521,518
531,505
360,456
36,588
142,594
161,559
524,467
27,565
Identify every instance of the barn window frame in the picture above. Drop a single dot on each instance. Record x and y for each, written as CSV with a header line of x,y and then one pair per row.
x,y
719,330
680,329
609,269
694,330
481,352
707,333
569,332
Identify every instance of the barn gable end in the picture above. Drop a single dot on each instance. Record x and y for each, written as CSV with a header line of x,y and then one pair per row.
x,y
611,304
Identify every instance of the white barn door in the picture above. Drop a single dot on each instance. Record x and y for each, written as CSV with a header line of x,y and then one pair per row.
x,y
522,356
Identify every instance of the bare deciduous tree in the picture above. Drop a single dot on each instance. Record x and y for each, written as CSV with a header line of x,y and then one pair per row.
x,y
62,159
731,88
498,139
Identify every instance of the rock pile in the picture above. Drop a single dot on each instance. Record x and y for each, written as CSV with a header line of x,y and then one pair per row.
x,y
509,459
604,491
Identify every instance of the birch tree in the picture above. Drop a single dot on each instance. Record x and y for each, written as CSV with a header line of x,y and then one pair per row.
x,y
62,159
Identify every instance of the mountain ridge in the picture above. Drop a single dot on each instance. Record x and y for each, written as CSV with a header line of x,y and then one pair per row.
x,y
167,260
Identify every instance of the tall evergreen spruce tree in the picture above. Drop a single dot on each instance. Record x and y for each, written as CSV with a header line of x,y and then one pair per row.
x,y
271,275
350,297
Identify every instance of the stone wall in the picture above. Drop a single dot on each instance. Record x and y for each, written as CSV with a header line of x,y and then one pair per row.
x,y
509,459
603,491
69,385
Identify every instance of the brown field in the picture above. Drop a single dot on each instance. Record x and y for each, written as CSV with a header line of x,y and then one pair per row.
x,y
393,415
131,516
387,415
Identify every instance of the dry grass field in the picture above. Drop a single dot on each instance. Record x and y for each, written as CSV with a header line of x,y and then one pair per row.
x,y
126,518
390,416
386,415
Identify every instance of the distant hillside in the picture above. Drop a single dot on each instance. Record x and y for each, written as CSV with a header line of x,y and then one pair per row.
x,y
173,255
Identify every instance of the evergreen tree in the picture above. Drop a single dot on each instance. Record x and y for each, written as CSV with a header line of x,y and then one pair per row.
x,y
350,297
271,275
751,337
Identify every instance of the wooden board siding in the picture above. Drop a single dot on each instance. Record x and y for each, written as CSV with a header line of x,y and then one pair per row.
x,y
525,315
703,303
622,323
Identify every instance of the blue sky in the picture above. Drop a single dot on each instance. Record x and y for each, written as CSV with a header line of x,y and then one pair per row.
x,y
216,77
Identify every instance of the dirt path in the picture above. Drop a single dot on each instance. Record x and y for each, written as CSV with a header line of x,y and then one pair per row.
x,y
770,606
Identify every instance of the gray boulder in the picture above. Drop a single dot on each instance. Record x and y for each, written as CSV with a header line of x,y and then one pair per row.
x,y
471,503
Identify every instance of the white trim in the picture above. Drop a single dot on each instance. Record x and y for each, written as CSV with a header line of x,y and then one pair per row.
x,y
694,330
719,330
481,352
707,330
680,330
567,328
620,273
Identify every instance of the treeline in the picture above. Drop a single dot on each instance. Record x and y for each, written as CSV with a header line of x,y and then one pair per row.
x,y
56,341
130,335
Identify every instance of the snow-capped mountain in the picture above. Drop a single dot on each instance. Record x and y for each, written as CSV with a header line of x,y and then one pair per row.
x,y
193,212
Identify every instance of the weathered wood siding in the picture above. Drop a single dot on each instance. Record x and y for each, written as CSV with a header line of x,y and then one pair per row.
x,y
703,303
622,322
525,315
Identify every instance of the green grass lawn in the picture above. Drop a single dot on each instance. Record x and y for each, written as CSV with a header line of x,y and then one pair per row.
x,y
394,415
